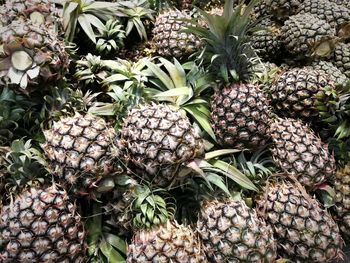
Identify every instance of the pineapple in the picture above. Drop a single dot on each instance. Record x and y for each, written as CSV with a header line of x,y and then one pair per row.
x,y
328,68
168,242
160,141
268,43
31,56
304,231
42,225
306,35
233,232
342,200
299,152
167,37
337,16
239,109
79,150
341,58
297,92
240,116
157,236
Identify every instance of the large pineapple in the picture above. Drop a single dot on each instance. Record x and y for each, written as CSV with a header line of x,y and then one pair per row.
x,y
233,232
160,141
336,15
240,113
31,56
297,92
306,35
299,152
342,200
304,231
41,225
79,151
168,39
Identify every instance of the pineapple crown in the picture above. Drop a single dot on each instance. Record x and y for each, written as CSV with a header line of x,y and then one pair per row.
x,y
151,207
24,164
227,50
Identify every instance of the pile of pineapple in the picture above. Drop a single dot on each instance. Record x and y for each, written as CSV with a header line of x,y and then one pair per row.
x,y
174,131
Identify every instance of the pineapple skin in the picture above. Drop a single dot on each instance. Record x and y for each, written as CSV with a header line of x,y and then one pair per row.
x,y
307,36
341,58
304,231
240,116
169,242
79,150
233,232
158,141
299,152
293,93
267,43
336,15
42,225
342,200
328,68
168,39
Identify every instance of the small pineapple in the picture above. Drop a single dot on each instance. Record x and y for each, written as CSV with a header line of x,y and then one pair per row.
x,y
267,42
31,56
159,141
342,200
306,35
79,151
157,236
168,39
233,232
336,15
42,225
304,231
299,152
168,242
297,92
328,68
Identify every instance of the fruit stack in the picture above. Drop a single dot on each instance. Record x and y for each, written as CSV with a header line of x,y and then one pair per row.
x,y
174,131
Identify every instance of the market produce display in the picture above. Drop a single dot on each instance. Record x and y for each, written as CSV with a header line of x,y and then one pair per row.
x,y
174,131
